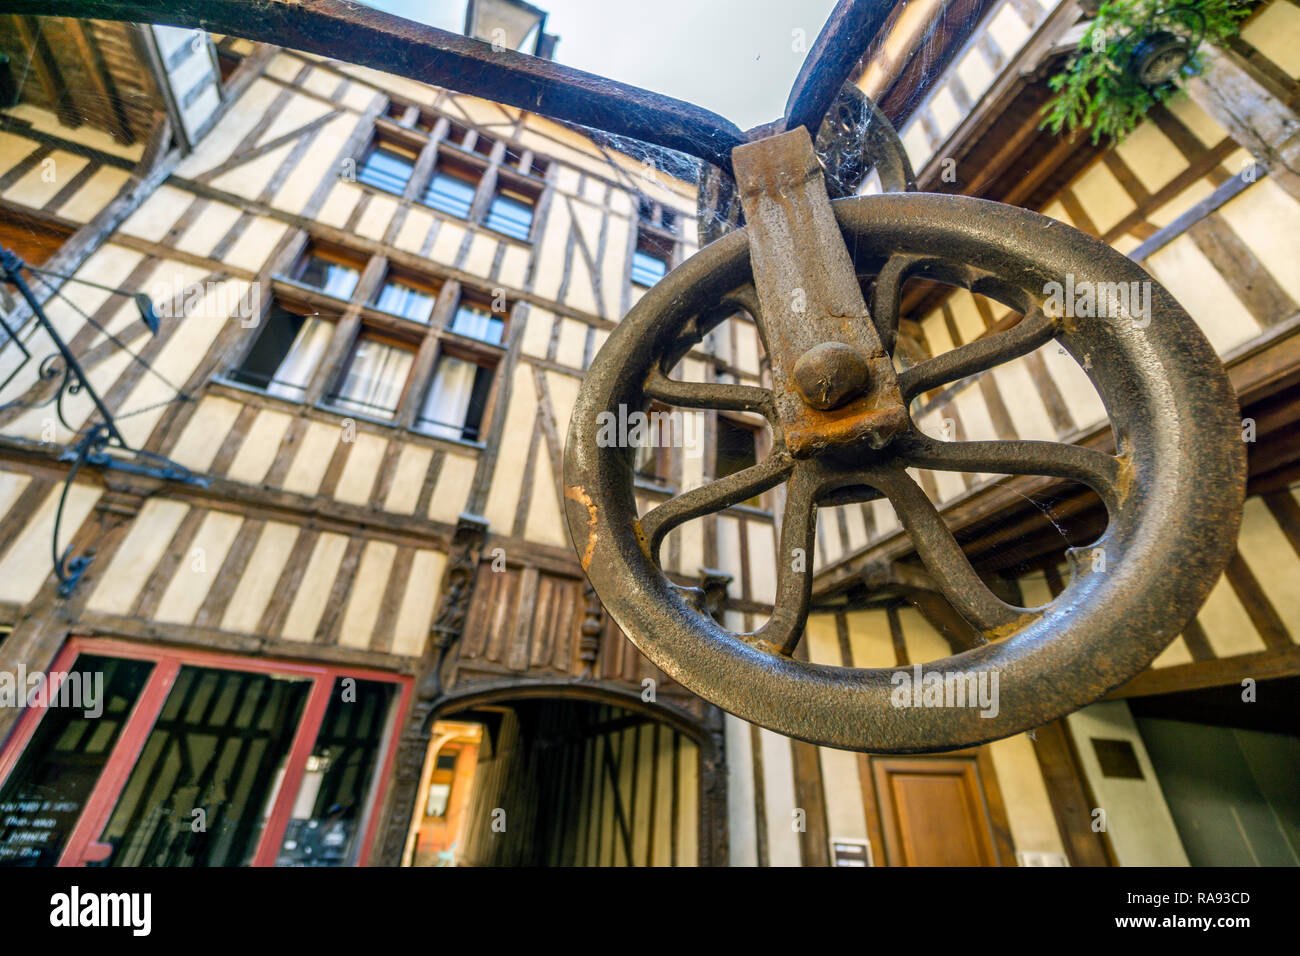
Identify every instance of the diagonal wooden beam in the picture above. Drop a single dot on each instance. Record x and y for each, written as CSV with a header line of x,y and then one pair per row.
x,y
83,39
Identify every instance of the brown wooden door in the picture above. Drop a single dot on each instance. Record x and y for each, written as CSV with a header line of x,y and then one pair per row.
x,y
933,812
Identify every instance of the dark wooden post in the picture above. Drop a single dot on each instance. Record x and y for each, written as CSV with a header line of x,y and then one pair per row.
x,y
457,588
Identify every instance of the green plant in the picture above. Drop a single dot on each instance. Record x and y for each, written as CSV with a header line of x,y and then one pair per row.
x,y
1097,90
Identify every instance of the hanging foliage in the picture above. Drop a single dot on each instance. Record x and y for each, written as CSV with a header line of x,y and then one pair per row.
x,y
1134,55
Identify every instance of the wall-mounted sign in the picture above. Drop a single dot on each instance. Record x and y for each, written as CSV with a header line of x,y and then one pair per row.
x,y
850,851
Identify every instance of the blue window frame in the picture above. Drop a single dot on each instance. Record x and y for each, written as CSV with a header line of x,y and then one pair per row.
x,y
647,268
387,169
398,298
451,193
478,323
511,213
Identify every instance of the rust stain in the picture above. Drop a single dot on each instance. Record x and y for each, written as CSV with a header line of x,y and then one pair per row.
x,y
578,493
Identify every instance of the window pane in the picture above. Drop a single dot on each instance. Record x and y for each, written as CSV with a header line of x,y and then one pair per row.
x,y
450,193
456,401
375,376
332,278
215,756
387,170
478,323
45,793
737,449
647,269
406,301
331,809
511,215
286,354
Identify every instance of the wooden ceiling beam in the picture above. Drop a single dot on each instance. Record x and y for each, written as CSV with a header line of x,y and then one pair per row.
x,y
46,69
83,39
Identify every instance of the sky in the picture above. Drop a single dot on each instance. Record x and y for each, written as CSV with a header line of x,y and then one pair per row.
x,y
738,58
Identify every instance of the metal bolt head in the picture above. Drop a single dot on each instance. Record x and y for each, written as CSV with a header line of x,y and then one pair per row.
x,y
830,374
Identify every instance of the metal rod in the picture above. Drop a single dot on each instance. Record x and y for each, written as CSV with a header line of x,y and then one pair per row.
x,y
367,37
838,49
13,266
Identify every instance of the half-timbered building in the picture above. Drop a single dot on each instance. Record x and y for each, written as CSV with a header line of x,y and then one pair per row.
x,y
324,575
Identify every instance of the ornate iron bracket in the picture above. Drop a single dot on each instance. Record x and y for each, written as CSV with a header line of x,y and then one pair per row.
x,y
92,446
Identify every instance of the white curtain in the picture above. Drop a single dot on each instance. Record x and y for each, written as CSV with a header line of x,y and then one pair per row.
x,y
448,399
302,359
405,301
375,378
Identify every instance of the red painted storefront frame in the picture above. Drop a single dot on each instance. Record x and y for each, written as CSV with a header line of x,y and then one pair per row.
x,y
82,847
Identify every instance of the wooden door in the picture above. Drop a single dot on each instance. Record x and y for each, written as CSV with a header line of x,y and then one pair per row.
x,y
933,812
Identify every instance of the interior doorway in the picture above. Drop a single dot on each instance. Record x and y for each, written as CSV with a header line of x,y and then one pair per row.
x,y
558,782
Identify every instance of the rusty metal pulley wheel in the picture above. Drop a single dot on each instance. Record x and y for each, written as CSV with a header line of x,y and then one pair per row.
x,y
842,433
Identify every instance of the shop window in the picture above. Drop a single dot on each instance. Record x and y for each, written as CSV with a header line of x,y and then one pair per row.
x,y
164,757
478,321
387,166
285,354
456,403
215,755
375,376
52,781
329,811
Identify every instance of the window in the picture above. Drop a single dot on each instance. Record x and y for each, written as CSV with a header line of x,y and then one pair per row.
x,y
329,810
451,192
651,460
409,116
220,735
330,274
478,322
511,213
375,376
483,144
388,167
440,783
655,214
648,267
526,163
737,449
399,297
285,354
457,135
457,399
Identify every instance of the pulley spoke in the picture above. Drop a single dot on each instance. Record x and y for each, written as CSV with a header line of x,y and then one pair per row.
x,y
794,572
886,296
714,496
1097,470
951,569
742,398
1029,333
747,298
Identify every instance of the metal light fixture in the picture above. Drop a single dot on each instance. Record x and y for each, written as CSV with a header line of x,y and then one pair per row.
x,y
1164,46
